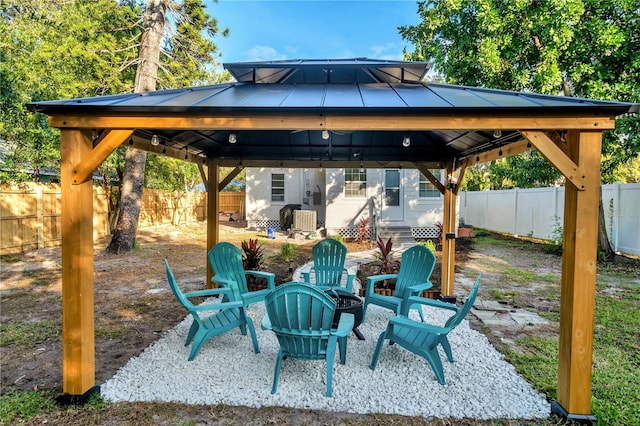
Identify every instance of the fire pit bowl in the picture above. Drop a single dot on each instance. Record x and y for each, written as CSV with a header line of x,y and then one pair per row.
x,y
348,303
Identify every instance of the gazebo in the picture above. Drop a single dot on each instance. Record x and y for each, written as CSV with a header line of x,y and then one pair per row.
x,y
339,113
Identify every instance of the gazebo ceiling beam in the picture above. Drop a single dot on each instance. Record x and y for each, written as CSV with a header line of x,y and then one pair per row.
x,y
514,148
338,122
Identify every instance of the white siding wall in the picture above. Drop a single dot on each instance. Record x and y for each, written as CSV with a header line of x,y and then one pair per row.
x,y
419,212
297,183
344,212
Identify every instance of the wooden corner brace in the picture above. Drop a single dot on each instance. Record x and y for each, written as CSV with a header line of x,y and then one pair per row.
x,y
557,157
98,154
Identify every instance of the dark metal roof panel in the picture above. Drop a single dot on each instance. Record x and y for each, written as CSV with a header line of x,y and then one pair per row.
x,y
419,96
381,95
320,71
342,96
305,97
414,98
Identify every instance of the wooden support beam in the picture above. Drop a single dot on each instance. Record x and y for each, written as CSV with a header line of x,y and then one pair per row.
x,y
78,351
405,122
577,295
203,176
113,139
213,219
459,177
556,155
427,173
179,154
448,238
232,174
505,151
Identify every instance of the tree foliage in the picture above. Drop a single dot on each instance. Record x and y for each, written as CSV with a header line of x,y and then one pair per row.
x,y
58,49
51,50
585,48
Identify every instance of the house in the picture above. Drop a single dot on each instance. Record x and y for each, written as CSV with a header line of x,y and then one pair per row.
x,y
399,203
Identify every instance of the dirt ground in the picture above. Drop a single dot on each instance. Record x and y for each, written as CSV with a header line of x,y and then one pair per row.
x,y
134,307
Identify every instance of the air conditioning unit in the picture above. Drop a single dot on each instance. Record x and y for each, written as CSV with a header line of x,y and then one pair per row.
x,y
305,220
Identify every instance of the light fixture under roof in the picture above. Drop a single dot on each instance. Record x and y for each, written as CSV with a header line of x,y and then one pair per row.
x,y
406,141
155,141
497,133
233,138
325,134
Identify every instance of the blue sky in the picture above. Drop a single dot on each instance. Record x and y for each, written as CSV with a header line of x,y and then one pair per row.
x,y
273,30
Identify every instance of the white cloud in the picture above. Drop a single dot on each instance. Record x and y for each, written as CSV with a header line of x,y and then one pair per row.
x,y
389,51
263,53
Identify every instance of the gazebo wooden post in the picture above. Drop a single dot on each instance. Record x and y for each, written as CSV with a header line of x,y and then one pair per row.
x,y
577,297
78,350
448,237
213,219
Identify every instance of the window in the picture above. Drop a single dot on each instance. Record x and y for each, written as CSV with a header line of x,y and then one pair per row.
x,y
277,187
427,190
355,183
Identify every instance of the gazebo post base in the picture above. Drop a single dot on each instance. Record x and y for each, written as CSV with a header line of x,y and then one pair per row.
x,y
558,409
448,299
68,399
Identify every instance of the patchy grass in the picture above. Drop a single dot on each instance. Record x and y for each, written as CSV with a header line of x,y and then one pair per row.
x,y
18,406
616,358
517,275
503,295
19,333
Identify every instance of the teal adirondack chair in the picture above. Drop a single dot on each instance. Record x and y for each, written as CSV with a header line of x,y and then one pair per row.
x,y
421,338
416,267
226,262
328,265
301,315
229,315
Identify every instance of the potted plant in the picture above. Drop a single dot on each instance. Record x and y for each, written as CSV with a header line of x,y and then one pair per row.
x,y
465,230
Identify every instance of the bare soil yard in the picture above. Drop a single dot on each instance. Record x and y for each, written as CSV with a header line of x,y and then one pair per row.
x,y
134,307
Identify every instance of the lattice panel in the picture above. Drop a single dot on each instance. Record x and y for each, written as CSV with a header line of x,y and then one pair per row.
x,y
264,224
425,233
352,232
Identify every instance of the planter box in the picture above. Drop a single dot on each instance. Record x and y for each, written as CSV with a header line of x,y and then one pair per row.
x,y
466,232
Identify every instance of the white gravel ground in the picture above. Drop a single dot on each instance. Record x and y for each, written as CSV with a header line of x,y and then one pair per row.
x,y
480,384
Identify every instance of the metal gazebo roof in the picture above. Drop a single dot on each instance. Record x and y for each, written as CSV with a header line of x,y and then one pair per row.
x,y
324,87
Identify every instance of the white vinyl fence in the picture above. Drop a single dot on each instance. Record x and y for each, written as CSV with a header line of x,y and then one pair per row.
x,y
539,213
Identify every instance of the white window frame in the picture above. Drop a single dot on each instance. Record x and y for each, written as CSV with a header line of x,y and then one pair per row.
x,y
348,184
429,186
273,195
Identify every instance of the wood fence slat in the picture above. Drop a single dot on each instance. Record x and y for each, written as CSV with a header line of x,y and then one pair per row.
x,y
21,221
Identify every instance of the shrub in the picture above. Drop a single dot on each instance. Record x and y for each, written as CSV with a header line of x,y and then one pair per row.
x,y
288,251
253,255
338,237
362,229
430,245
385,256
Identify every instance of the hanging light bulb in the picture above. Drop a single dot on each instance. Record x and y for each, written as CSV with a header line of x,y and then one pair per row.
x,y
497,133
325,134
406,141
233,138
155,141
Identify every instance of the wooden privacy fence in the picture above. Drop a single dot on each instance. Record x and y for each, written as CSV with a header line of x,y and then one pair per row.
x,y
30,213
